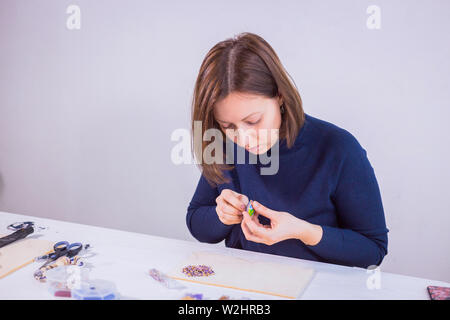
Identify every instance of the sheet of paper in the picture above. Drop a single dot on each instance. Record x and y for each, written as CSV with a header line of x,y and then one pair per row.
x,y
282,280
22,252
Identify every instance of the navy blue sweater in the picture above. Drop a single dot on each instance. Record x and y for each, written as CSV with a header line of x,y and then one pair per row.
x,y
325,178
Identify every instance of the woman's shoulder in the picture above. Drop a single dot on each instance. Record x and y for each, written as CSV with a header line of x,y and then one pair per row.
x,y
331,136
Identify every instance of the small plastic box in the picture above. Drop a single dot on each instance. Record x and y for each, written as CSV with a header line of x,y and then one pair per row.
x,y
96,290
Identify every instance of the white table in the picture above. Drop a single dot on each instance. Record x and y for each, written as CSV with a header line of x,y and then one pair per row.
x,y
125,258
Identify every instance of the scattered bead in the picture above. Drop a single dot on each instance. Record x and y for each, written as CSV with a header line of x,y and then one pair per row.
x,y
198,271
191,296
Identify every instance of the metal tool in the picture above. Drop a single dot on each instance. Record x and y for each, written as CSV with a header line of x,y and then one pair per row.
x,y
62,248
48,256
64,253
22,225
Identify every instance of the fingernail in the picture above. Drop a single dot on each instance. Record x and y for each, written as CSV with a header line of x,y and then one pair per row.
x,y
255,204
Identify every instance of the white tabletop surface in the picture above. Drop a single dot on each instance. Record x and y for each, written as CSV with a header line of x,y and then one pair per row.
x,y
125,258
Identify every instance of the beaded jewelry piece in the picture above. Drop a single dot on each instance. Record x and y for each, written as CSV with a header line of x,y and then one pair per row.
x,y
250,209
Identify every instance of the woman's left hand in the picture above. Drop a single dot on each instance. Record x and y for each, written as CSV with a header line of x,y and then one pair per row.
x,y
282,226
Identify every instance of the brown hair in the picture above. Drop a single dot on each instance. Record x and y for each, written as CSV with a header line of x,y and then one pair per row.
x,y
248,64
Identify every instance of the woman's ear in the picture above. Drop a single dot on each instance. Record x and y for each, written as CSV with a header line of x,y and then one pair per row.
x,y
280,99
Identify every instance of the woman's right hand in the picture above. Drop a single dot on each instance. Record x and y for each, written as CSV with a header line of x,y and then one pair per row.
x,y
230,205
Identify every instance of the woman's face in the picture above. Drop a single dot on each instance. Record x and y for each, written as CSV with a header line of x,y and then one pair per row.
x,y
252,117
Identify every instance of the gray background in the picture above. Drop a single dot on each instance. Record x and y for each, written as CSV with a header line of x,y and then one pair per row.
x,y
86,115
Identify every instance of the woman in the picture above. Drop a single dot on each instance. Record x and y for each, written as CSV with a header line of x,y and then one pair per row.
x,y
322,204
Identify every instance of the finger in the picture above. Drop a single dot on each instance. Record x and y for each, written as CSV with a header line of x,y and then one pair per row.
x,y
264,211
233,199
229,220
256,230
227,208
258,223
231,217
244,199
253,217
256,220
234,220
247,233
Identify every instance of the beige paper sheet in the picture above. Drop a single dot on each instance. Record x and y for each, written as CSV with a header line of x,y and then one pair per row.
x,y
258,276
22,252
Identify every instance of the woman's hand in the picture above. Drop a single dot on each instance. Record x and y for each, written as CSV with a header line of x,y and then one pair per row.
x,y
230,205
283,226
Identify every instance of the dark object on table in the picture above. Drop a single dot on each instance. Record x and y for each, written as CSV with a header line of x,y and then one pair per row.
x,y
17,235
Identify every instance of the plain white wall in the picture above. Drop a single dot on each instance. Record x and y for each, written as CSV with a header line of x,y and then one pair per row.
x,y
86,115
